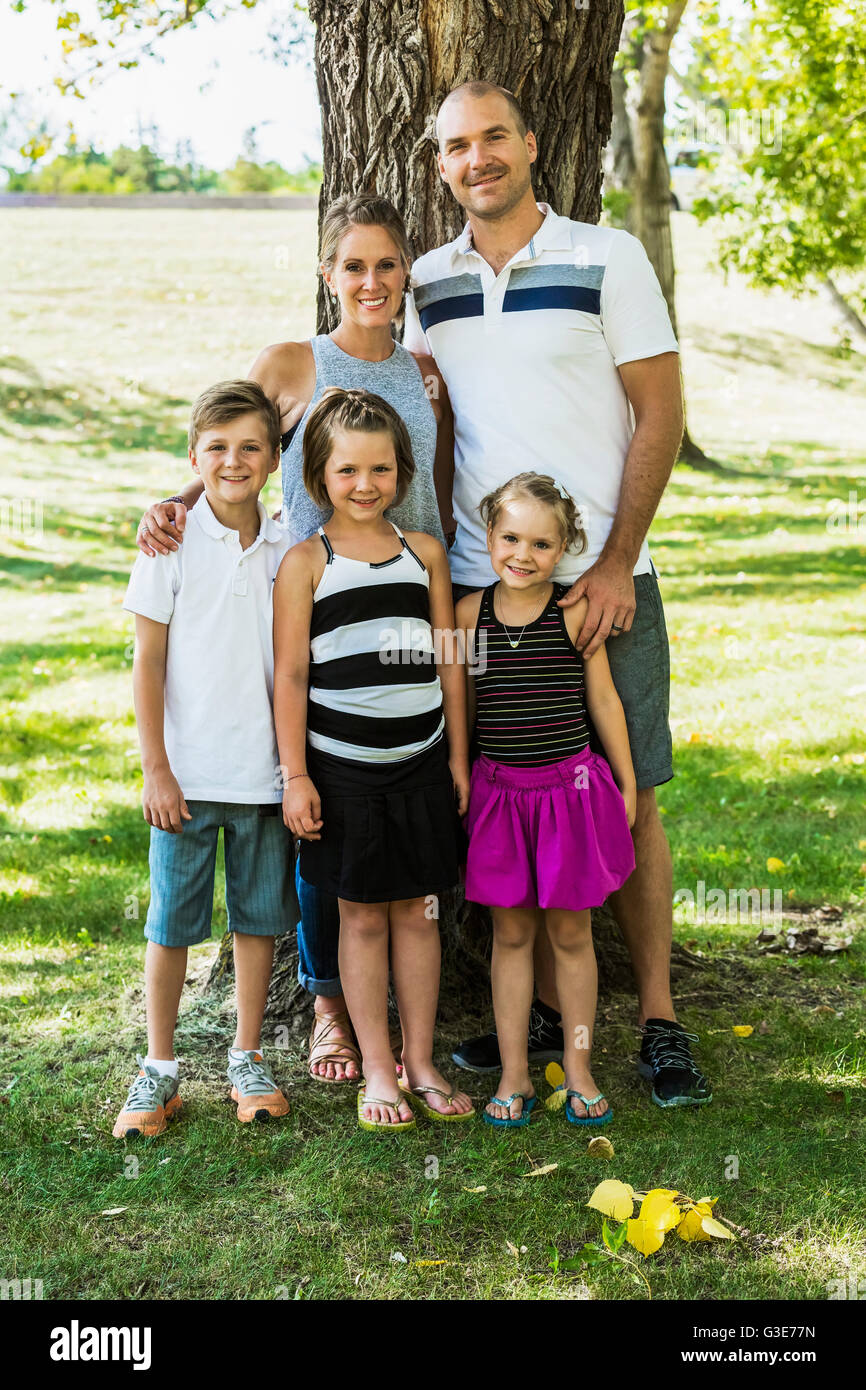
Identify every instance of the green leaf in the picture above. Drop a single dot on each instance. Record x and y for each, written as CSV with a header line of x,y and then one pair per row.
x,y
590,1254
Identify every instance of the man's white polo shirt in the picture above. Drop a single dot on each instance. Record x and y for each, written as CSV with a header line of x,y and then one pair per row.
x,y
219,681
530,359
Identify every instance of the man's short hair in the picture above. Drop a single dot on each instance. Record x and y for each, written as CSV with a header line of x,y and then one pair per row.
x,y
226,401
486,89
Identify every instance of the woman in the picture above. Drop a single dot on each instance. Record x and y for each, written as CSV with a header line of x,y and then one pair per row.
x,y
365,260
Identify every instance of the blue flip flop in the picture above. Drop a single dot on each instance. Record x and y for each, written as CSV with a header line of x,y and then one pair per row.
x,y
522,1119
587,1119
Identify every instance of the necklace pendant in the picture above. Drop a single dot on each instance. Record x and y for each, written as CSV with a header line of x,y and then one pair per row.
x,y
512,644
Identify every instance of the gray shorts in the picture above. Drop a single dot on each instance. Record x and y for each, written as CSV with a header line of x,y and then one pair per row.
x,y
641,670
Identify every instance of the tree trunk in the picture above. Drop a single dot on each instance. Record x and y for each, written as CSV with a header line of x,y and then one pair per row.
x,y
847,312
637,165
382,68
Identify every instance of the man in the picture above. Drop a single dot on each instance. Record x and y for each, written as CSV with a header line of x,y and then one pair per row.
x,y
556,346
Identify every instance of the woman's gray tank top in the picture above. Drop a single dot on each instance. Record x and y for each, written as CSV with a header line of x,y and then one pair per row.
x,y
398,381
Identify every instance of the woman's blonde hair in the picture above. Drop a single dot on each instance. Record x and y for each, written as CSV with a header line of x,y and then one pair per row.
x,y
541,487
339,409
362,210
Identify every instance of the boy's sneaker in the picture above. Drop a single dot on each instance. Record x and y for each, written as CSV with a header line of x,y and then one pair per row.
x,y
545,1043
254,1088
665,1058
153,1100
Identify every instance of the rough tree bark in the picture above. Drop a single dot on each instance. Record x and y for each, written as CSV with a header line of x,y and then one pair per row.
x,y
638,163
382,68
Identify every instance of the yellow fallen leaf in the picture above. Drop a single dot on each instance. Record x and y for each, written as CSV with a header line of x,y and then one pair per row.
x,y
775,866
556,1100
599,1147
426,1264
475,1189
707,1202
512,1249
613,1198
659,1211
542,1171
743,1030
645,1239
690,1228
554,1075
715,1228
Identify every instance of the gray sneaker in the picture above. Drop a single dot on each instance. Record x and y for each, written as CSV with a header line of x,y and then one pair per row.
x,y
153,1100
254,1088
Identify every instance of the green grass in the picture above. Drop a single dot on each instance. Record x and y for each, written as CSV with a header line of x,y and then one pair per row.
x,y
118,319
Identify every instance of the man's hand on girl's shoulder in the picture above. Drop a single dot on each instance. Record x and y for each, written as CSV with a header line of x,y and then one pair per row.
x,y
161,528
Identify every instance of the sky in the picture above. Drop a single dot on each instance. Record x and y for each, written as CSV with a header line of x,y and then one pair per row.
x,y
210,82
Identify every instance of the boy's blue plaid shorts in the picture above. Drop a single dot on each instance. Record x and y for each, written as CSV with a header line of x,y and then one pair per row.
x,y
260,894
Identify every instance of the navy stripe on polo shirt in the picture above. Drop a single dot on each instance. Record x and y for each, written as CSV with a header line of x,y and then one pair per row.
x,y
455,297
554,287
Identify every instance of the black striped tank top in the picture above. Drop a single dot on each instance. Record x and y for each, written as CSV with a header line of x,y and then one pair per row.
x,y
529,698
374,692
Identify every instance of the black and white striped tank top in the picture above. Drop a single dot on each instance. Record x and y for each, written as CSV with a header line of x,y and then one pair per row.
x,y
374,694
529,698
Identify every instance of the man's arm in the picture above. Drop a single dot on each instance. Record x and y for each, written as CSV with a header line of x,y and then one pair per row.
x,y
653,387
654,391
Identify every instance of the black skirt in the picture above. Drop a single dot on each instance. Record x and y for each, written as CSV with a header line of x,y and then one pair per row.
x,y
389,830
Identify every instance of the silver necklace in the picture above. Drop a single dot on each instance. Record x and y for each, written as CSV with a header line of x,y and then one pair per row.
x,y
512,641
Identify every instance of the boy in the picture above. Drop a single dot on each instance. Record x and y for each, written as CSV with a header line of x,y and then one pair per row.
x,y
203,687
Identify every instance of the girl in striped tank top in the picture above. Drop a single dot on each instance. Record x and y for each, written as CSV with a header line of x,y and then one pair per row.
x,y
549,820
373,741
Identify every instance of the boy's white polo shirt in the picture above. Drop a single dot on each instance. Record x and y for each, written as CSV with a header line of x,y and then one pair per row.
x,y
530,359
217,600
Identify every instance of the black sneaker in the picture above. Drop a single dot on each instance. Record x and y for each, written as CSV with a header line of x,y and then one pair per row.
x,y
665,1058
482,1054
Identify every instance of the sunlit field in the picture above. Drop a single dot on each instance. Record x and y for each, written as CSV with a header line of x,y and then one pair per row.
x,y
112,323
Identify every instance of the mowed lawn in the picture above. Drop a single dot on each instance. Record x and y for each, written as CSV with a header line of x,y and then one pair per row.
x,y
112,322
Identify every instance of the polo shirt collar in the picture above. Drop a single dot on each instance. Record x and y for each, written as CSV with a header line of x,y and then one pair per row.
x,y
269,530
554,234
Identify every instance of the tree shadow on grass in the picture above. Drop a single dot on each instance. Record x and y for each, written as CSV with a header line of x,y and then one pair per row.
x,y
87,418
795,573
789,354
26,571
17,661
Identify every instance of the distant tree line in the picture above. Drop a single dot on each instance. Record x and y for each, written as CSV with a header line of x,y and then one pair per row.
x,y
144,170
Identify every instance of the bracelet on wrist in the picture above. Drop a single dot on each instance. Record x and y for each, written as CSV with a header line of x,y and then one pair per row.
x,y
295,775
174,499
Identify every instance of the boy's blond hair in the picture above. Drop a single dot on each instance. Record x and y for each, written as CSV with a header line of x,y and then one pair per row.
x,y
226,401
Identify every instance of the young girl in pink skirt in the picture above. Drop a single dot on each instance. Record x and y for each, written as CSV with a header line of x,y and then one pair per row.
x,y
548,820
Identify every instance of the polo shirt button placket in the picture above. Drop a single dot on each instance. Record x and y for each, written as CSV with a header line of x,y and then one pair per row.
x,y
239,580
